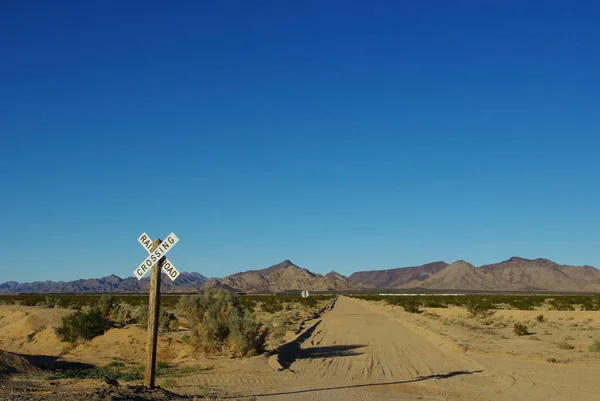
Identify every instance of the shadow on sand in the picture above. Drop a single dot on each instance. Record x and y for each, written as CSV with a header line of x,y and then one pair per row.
x,y
417,379
54,362
288,353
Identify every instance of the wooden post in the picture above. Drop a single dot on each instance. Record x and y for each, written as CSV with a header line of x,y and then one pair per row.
x,y
153,317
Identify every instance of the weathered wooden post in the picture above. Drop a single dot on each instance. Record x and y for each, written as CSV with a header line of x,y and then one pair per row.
x,y
153,317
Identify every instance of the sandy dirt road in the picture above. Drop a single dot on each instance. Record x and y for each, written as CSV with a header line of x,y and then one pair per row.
x,y
357,351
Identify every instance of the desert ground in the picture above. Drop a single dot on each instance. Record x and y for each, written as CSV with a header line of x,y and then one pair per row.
x,y
353,350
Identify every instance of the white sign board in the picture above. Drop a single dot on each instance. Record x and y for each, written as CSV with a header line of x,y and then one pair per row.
x,y
155,255
304,294
168,267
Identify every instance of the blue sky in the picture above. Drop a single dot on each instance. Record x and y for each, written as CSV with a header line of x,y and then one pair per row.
x,y
341,135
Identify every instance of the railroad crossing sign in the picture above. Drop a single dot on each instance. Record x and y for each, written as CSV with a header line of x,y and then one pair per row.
x,y
155,261
167,266
304,294
164,247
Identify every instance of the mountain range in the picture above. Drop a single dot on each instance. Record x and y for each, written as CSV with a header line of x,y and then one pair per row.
x,y
186,282
514,274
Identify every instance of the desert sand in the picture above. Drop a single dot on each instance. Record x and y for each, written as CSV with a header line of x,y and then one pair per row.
x,y
361,350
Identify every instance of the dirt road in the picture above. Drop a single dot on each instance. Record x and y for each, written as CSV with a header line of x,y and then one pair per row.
x,y
358,351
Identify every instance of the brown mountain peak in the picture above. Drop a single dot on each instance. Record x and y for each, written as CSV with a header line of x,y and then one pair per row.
x,y
286,264
517,259
461,264
391,278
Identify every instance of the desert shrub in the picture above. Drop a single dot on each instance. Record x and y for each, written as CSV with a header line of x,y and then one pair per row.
x,y
207,316
272,305
411,307
565,345
520,329
142,316
434,303
479,309
81,326
111,372
49,301
248,302
588,304
122,313
29,302
595,347
247,337
105,304
540,318
431,314
561,304
220,323
487,321
278,332
166,321
500,324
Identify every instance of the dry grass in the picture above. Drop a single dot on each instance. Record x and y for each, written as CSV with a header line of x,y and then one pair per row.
x,y
565,345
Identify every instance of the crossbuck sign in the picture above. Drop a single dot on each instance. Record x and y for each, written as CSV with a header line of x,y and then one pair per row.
x,y
156,260
156,255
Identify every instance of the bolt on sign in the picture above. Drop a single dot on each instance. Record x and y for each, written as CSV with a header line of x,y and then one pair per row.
x,y
155,262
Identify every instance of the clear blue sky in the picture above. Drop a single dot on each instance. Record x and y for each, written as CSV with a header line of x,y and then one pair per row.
x,y
341,135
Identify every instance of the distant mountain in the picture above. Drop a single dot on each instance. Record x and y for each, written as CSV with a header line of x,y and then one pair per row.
x,y
542,274
392,278
186,282
284,276
459,275
514,274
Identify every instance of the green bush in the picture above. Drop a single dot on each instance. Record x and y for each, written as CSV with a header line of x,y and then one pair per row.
x,y
49,302
111,372
520,329
220,323
278,332
540,318
479,309
166,321
272,305
105,304
81,326
595,347
411,307
122,313
247,337
562,304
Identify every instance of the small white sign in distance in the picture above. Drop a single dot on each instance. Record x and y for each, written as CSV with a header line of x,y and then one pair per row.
x,y
168,267
156,255
304,294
